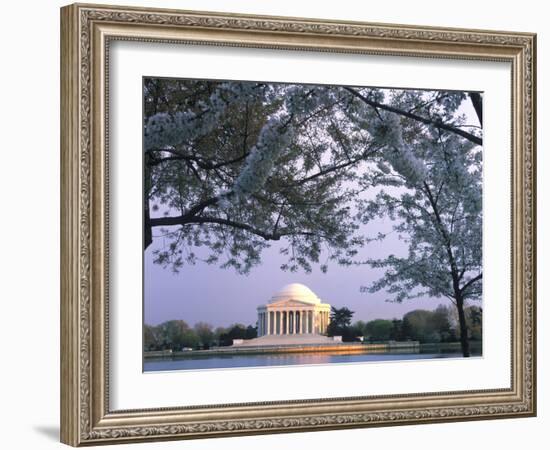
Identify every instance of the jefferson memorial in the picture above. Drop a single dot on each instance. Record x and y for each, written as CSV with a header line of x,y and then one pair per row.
x,y
294,315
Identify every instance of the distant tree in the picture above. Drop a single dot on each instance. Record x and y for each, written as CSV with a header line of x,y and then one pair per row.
x,y
177,334
475,322
341,317
151,338
442,323
421,325
237,331
340,321
407,332
217,333
397,333
251,332
205,334
379,330
359,328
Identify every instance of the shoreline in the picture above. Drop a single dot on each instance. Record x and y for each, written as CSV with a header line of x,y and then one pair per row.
x,y
351,347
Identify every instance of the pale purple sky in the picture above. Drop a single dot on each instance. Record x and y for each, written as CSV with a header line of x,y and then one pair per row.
x,y
222,297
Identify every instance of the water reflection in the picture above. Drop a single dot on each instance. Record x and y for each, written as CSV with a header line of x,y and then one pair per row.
x,y
288,359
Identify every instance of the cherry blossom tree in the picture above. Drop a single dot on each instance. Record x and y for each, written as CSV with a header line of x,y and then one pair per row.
x,y
432,192
232,166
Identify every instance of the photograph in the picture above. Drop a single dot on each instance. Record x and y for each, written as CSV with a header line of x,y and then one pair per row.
x,y
294,224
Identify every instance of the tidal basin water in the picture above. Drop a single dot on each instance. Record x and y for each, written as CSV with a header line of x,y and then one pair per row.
x,y
286,359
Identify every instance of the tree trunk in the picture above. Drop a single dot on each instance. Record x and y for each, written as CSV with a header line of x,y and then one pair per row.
x,y
477,103
147,229
464,343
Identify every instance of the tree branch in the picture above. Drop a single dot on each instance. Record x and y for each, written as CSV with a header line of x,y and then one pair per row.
x,y
202,163
471,137
328,170
185,220
472,281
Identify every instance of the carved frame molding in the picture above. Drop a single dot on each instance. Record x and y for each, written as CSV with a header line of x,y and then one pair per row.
x,y
86,31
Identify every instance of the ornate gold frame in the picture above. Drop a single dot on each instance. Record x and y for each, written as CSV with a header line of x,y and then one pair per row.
x,y
86,31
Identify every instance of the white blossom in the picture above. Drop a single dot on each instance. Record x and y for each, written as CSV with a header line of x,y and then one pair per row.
x,y
387,132
275,136
164,129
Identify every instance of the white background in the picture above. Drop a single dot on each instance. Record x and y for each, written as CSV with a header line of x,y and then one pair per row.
x,y
29,284
132,389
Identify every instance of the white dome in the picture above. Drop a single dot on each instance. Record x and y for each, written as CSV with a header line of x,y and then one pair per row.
x,y
296,291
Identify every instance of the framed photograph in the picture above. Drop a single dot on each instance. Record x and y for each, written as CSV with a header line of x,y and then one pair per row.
x,y
268,221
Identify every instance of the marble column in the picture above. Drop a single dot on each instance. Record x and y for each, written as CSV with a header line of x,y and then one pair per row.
x,y
287,328
261,324
316,322
291,322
